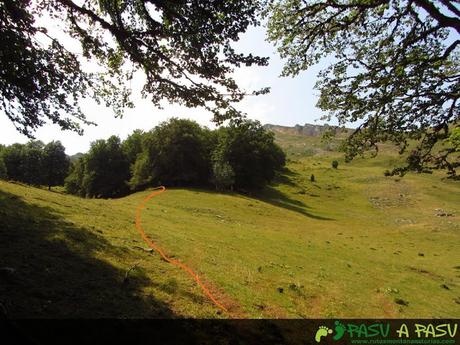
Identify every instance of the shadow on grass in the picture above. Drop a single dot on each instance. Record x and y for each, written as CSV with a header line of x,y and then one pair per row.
x,y
275,197
271,196
286,177
48,268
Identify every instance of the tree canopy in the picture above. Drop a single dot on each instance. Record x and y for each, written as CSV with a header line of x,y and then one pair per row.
x,y
394,69
55,164
102,172
178,152
35,163
251,152
132,146
183,47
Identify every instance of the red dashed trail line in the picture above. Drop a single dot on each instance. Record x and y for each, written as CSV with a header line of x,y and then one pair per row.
x,y
160,251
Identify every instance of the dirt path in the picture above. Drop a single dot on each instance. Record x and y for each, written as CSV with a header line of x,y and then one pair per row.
x,y
160,251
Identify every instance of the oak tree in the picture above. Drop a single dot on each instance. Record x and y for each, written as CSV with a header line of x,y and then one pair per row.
x,y
183,47
394,70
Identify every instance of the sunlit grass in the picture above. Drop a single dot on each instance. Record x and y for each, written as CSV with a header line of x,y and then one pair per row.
x,y
350,244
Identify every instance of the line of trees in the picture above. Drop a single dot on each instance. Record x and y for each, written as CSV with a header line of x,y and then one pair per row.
x,y
178,152
35,163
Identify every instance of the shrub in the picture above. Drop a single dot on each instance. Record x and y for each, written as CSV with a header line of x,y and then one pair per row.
x,y
335,164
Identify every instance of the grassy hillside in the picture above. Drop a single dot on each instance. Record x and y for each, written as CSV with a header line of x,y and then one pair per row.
x,y
352,244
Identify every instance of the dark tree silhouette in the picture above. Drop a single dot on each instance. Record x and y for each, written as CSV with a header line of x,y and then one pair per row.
x,y
251,152
176,152
106,169
55,164
183,47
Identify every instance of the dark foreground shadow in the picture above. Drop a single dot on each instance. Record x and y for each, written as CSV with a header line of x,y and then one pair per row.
x,y
161,331
49,269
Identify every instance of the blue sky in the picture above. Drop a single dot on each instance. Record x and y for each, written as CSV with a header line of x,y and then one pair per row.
x,y
290,102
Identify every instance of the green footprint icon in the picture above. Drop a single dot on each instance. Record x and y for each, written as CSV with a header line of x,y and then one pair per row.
x,y
339,330
322,332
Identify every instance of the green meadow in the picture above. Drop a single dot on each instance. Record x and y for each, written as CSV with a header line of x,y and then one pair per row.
x,y
352,243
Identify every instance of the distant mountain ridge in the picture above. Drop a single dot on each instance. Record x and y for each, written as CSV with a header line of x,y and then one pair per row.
x,y
306,130
76,156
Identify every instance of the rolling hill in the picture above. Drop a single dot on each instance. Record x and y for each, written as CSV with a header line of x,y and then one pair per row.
x,y
353,243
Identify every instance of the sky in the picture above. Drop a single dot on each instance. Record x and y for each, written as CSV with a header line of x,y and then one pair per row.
x,y
291,101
